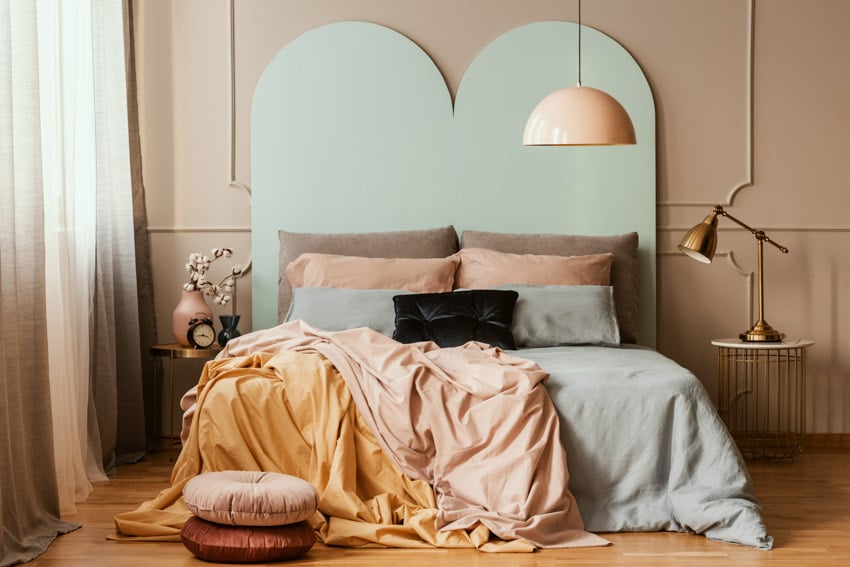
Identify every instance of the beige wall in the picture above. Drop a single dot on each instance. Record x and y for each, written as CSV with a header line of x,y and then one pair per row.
x,y
750,112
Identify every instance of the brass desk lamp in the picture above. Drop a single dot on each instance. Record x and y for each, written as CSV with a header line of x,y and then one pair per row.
x,y
700,243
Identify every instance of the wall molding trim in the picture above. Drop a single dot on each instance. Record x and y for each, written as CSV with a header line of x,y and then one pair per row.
x,y
750,101
247,229
197,229
837,229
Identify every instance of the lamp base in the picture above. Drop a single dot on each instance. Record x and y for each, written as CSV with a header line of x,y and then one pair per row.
x,y
762,332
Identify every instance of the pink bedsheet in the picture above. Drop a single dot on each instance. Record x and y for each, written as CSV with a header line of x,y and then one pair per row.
x,y
473,421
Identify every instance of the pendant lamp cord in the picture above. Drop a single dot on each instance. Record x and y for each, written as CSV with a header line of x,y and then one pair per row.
x,y
579,43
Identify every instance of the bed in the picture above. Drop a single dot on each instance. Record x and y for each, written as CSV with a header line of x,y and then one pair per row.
x,y
411,424
569,421
646,448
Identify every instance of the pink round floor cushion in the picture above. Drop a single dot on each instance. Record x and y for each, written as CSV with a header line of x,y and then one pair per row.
x,y
250,498
246,544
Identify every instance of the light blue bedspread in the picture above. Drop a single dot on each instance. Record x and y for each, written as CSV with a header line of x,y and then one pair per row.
x,y
647,450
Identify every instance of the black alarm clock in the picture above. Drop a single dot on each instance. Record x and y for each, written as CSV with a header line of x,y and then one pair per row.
x,y
201,333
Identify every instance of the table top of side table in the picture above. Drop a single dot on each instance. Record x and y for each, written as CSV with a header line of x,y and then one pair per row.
x,y
787,343
175,350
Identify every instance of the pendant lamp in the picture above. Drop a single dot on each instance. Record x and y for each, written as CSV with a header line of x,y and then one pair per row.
x,y
579,116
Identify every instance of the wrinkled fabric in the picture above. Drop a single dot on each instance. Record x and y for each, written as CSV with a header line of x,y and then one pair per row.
x,y
648,451
415,445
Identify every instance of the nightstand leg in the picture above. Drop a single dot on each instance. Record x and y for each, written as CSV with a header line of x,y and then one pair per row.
x,y
158,380
171,410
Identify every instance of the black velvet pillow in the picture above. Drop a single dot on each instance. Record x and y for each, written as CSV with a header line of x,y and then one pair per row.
x,y
454,318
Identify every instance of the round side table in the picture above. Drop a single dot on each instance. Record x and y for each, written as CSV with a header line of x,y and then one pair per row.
x,y
762,395
173,351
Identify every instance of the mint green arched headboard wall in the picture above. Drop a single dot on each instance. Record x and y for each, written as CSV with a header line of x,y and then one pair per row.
x,y
353,129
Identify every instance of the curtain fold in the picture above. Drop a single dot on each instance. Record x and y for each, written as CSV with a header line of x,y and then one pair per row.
x,y
117,371
73,345
29,500
68,167
144,272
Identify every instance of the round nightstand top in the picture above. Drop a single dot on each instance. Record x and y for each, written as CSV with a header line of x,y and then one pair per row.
x,y
787,343
174,350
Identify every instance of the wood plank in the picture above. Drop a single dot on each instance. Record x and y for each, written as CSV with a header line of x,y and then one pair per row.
x,y
828,440
806,503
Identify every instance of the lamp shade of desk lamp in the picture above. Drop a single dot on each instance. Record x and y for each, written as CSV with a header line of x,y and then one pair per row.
x,y
700,244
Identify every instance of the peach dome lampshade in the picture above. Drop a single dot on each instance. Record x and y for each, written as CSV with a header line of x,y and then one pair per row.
x,y
579,116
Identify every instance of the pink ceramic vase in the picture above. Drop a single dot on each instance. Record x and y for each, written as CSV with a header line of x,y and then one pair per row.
x,y
192,304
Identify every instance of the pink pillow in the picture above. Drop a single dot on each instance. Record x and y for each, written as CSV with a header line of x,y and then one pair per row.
x,y
481,268
419,275
250,498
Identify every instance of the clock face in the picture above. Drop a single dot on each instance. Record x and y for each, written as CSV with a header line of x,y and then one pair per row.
x,y
201,335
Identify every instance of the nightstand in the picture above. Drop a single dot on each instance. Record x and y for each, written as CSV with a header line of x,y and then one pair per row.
x,y
762,395
174,351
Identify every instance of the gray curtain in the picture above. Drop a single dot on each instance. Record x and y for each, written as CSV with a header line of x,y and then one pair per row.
x,y
29,503
122,326
144,274
117,382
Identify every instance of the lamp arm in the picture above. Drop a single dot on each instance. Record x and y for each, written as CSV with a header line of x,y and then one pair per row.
x,y
759,234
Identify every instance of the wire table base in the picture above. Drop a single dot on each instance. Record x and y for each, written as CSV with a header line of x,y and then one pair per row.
x,y
762,396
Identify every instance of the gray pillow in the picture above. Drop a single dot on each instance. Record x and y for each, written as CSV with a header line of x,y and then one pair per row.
x,y
624,270
333,309
428,243
547,316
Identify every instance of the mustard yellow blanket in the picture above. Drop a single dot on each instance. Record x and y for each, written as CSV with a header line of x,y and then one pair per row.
x,y
486,472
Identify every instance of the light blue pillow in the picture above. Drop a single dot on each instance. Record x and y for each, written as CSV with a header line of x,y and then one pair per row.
x,y
564,315
335,309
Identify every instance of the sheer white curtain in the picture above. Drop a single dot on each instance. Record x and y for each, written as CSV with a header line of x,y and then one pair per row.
x,y
66,78
92,309
29,503
71,399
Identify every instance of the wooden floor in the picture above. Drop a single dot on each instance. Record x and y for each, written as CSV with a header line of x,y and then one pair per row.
x,y
806,505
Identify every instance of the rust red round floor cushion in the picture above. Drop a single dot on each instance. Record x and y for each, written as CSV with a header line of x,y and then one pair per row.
x,y
248,516
246,544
